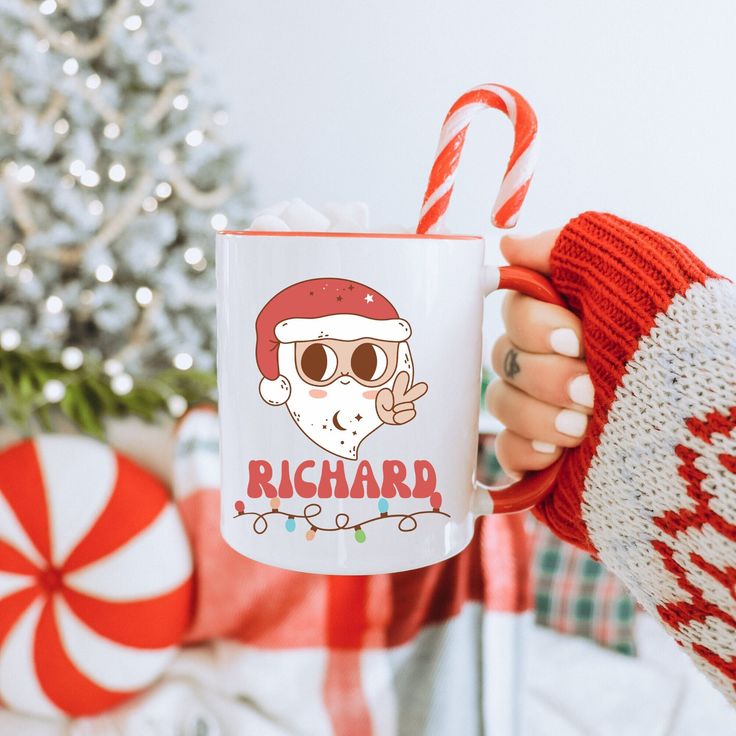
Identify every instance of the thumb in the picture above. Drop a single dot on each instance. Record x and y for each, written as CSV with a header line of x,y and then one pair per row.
x,y
532,251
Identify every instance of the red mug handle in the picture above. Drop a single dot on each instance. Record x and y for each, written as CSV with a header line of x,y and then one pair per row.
x,y
533,486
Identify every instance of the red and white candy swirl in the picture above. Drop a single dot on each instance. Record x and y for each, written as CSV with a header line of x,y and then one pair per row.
x,y
95,577
452,137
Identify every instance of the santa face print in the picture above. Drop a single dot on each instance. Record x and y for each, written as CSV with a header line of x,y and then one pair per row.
x,y
341,374
334,386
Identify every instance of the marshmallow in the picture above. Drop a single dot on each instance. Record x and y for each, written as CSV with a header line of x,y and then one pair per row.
x,y
298,215
347,217
269,223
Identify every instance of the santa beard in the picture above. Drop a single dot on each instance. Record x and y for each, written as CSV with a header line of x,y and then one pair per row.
x,y
341,420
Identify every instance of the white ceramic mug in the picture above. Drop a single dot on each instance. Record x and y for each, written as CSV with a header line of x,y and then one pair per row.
x,y
349,391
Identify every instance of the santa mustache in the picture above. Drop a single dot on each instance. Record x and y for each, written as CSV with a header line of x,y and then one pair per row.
x,y
348,379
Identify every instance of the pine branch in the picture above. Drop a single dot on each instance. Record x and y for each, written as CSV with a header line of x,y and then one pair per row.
x,y
141,332
112,229
196,197
88,398
82,50
162,104
9,102
19,204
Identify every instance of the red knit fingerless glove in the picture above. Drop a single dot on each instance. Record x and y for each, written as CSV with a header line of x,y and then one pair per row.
x,y
652,488
618,277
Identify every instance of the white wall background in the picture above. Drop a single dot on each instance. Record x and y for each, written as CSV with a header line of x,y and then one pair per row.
x,y
343,99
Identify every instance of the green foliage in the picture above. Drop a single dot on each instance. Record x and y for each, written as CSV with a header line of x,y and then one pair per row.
x,y
89,398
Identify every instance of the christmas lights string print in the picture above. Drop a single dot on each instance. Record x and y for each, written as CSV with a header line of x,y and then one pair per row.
x,y
86,621
407,522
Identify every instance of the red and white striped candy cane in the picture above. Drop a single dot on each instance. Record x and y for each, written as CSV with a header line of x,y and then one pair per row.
x,y
518,172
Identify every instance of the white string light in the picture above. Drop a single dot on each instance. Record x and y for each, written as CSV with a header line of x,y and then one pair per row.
x,y
103,273
72,358
177,405
112,367
93,81
25,174
132,23
90,178
95,207
193,255
61,126
54,305
200,265
146,3
9,339
155,57
121,384
183,361
143,295
180,102
47,7
218,221
87,297
15,255
150,204
54,391
163,190
117,172
111,131
67,182
70,67
194,138
77,167
43,45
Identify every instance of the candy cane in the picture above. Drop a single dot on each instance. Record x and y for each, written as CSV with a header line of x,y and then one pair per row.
x,y
518,172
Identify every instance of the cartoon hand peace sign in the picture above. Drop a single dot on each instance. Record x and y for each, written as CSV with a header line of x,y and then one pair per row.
x,y
396,405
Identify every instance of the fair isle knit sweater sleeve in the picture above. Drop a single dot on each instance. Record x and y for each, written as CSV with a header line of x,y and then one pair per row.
x,y
651,491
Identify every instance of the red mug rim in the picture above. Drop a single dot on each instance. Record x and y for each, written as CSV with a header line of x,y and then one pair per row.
x,y
316,233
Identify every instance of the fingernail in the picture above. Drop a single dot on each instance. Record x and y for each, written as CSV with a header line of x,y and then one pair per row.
x,y
581,390
565,342
571,423
546,447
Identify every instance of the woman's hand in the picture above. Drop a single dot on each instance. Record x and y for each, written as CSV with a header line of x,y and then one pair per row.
x,y
544,394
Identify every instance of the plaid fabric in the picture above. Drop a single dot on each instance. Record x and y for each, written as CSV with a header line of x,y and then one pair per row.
x,y
489,471
574,594
421,653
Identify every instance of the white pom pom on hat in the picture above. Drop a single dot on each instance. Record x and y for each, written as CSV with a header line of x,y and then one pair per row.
x,y
275,391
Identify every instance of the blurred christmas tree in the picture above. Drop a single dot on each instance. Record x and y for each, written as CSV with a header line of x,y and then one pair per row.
x,y
113,181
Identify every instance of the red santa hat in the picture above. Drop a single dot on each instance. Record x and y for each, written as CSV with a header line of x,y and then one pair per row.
x,y
320,309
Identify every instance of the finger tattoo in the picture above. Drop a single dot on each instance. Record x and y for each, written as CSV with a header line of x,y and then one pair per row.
x,y
511,363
